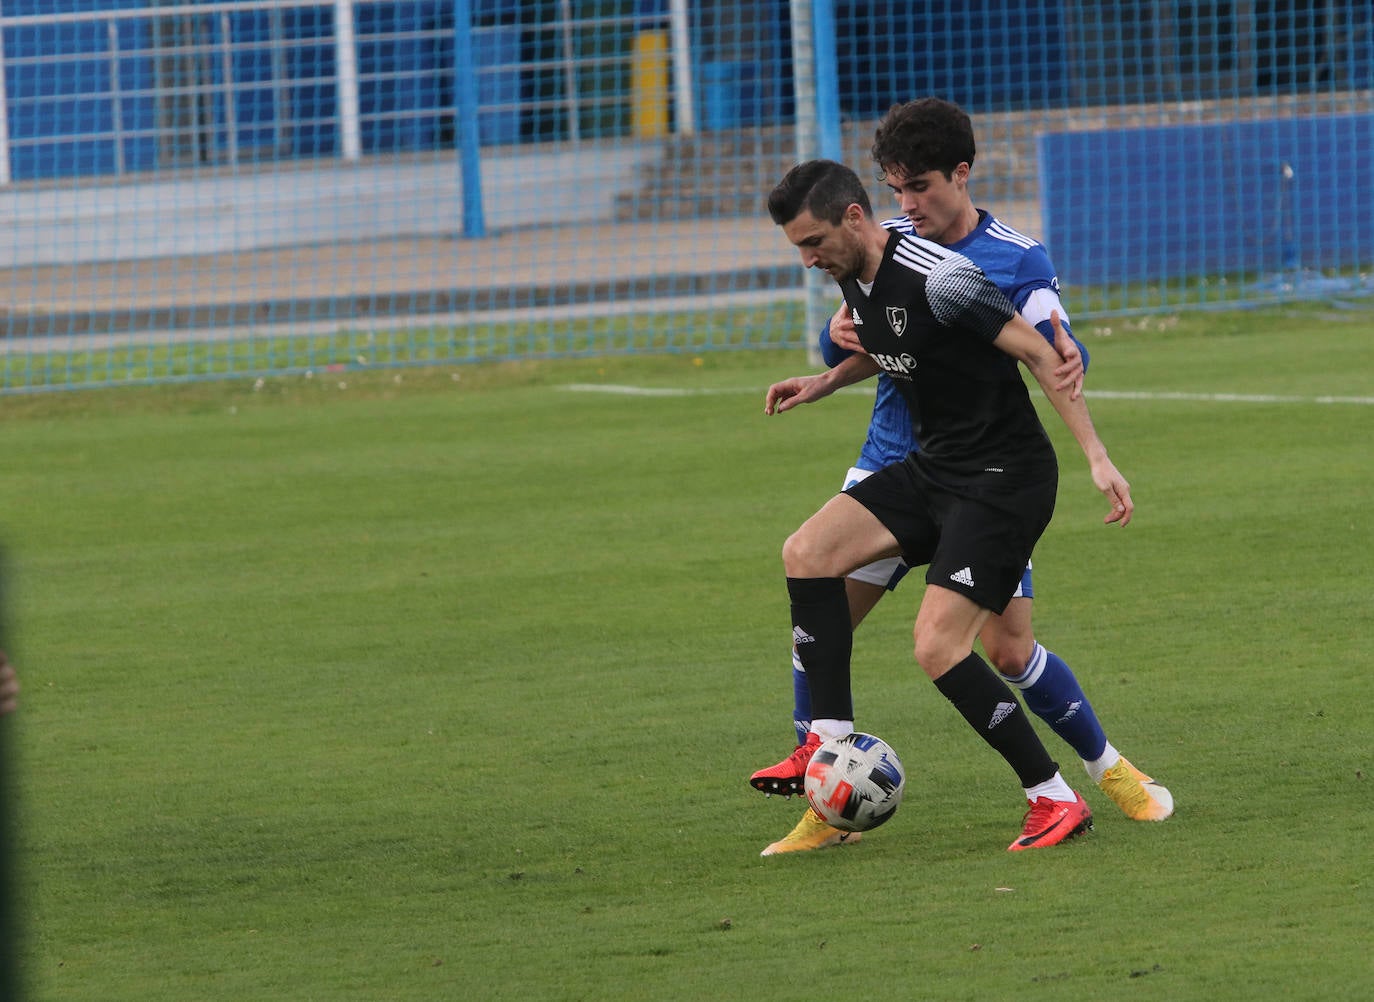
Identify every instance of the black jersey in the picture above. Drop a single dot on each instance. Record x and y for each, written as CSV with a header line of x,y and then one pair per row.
x,y
929,322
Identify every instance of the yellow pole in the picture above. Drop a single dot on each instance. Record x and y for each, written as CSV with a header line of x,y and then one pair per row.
x,y
649,85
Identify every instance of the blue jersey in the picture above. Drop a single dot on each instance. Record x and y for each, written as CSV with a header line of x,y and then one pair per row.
x,y
1020,267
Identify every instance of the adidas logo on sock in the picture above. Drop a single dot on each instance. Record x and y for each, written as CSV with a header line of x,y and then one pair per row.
x,y
800,636
1003,711
964,577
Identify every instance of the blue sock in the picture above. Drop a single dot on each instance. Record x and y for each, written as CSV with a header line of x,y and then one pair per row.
x,y
801,700
1053,694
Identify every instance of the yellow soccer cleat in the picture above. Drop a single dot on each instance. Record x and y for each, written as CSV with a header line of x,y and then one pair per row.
x,y
811,833
1139,797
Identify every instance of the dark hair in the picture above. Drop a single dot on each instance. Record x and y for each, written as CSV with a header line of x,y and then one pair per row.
x,y
822,187
927,134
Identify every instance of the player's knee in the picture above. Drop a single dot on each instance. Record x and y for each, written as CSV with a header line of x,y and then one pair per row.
x,y
937,654
804,555
1008,655
798,555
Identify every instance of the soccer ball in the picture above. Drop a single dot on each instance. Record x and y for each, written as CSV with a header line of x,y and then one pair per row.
x,y
855,783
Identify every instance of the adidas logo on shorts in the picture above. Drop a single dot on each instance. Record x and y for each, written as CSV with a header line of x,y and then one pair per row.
x,y
963,577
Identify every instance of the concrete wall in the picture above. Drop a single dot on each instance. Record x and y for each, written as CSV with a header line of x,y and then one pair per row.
x,y
311,203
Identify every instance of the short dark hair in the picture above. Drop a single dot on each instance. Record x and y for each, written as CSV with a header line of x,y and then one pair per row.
x,y
923,135
822,187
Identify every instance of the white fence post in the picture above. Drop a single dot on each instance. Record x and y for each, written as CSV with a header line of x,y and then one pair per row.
x,y
4,116
346,77
680,31
818,292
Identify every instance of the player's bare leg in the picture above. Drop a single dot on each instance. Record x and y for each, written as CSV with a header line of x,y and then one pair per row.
x,y
841,536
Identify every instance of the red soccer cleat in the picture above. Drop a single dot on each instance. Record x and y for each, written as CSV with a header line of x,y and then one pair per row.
x,y
788,777
1049,822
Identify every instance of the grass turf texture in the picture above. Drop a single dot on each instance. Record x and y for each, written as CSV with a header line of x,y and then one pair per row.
x,y
448,688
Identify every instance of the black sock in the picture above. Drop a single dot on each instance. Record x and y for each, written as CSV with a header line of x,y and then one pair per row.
x,y
824,640
992,710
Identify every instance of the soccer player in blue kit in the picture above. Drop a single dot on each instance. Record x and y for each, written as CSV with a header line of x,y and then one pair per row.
x,y
926,150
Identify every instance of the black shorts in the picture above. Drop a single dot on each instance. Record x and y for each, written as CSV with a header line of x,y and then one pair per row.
x,y
976,534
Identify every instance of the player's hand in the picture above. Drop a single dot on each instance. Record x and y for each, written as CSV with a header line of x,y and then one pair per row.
x,y
1116,490
1069,375
9,686
842,331
789,393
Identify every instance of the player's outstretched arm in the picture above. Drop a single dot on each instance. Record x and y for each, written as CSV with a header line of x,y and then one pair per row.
x,y
789,393
1024,343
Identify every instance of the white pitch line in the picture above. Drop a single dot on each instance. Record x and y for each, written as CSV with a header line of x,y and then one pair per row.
x,y
668,391
1227,398
1216,398
639,391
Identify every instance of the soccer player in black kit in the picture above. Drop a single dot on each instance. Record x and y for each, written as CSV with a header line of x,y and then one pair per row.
x,y
970,504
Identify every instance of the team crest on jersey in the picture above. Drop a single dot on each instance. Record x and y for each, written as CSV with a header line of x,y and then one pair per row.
x,y
896,319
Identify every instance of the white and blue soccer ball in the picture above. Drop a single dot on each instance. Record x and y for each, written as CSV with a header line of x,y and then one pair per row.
x,y
855,783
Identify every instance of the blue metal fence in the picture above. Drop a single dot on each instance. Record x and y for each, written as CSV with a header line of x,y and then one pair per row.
x,y
226,82
457,180
1281,196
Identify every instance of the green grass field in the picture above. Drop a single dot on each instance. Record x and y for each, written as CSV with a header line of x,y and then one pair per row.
x,y
445,684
